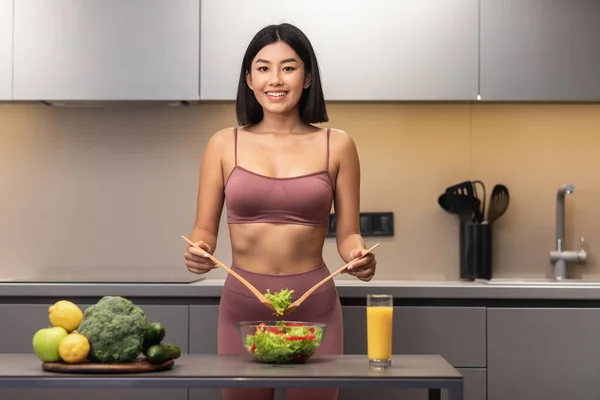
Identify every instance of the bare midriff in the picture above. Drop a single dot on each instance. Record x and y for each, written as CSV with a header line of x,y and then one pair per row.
x,y
277,248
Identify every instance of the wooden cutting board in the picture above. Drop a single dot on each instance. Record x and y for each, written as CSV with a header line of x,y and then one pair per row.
x,y
136,367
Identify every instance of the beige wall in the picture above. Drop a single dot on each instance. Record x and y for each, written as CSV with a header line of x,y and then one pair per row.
x,y
114,188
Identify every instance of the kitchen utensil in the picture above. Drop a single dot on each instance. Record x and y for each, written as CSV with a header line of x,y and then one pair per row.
x,y
443,202
261,297
480,209
461,200
296,303
266,351
499,201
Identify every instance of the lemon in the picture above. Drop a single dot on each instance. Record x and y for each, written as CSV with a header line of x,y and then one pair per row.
x,y
74,348
65,314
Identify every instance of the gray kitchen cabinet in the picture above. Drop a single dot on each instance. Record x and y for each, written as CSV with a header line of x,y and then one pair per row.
x,y
456,333
106,50
26,319
6,49
544,50
543,353
379,50
203,340
474,389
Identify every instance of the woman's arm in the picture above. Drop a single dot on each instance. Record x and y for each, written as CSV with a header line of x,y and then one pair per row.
x,y
209,206
347,197
210,192
350,243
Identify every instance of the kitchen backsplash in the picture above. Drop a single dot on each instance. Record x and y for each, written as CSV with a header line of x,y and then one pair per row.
x,y
112,188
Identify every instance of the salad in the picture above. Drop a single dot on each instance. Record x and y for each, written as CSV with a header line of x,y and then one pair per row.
x,y
280,300
284,342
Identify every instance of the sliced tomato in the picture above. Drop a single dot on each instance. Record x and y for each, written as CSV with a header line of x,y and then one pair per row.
x,y
306,337
252,348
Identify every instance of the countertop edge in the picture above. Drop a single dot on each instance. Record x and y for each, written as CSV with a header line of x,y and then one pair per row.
x,y
211,288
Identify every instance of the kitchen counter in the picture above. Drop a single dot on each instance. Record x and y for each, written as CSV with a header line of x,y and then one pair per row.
x,y
348,289
431,372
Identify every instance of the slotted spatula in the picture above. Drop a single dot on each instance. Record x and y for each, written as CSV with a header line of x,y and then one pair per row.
x,y
499,201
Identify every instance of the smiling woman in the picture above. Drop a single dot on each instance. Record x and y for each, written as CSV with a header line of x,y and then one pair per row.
x,y
279,176
280,60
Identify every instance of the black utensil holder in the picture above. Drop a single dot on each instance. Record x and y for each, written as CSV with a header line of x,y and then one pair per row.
x,y
475,254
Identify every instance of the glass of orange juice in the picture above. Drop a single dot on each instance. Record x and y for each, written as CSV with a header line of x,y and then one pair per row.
x,y
380,309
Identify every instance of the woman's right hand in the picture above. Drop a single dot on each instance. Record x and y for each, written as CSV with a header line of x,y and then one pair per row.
x,y
196,260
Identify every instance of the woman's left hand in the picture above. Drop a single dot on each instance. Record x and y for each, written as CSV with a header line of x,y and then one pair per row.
x,y
363,269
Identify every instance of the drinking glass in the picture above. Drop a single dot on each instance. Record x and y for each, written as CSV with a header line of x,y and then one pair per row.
x,y
380,309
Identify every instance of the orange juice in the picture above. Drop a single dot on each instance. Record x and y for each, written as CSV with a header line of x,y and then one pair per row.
x,y
379,333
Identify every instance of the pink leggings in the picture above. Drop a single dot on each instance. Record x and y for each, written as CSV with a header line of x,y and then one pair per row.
x,y
239,304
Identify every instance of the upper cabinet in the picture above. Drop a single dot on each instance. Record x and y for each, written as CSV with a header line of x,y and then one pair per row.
x,y
105,49
367,50
6,49
540,50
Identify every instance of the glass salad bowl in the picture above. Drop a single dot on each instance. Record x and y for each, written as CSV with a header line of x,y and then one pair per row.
x,y
281,342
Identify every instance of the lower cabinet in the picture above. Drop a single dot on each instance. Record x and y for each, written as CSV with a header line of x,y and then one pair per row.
x,y
456,333
203,340
26,319
543,353
93,394
474,389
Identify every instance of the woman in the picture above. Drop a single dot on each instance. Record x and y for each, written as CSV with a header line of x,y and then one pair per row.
x,y
279,176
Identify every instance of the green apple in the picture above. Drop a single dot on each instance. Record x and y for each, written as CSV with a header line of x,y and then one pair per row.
x,y
46,342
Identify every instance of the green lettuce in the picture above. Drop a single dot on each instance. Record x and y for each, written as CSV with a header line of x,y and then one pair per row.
x,y
284,343
280,300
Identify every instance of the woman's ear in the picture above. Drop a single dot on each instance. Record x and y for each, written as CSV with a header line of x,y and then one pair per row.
x,y
307,81
249,80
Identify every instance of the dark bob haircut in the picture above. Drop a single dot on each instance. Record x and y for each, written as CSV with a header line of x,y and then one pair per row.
x,y
312,102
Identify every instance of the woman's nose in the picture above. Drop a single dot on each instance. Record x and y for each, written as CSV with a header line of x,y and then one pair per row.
x,y
276,78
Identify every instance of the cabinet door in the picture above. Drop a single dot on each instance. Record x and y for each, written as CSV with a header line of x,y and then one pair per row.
x,y
456,333
26,319
106,50
6,49
203,340
367,50
474,389
549,354
543,50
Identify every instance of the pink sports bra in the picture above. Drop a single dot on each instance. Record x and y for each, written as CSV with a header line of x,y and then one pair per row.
x,y
305,200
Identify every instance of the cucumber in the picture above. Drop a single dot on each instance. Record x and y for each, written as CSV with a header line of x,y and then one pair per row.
x,y
173,351
155,333
159,353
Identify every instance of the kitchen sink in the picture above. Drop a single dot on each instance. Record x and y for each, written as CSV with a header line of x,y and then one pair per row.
x,y
540,282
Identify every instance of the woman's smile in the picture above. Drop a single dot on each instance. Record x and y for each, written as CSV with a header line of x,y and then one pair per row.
x,y
276,95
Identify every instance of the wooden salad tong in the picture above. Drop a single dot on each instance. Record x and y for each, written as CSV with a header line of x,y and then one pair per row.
x,y
296,303
261,297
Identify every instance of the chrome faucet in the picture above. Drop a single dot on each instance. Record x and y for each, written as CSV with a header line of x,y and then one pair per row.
x,y
560,257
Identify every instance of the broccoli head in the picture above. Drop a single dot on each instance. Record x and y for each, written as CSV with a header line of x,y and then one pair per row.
x,y
115,329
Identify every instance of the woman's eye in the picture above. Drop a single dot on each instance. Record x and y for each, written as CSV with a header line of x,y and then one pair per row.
x,y
262,69
288,69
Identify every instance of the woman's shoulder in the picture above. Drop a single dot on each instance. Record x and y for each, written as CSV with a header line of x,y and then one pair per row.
x,y
222,136
220,141
341,140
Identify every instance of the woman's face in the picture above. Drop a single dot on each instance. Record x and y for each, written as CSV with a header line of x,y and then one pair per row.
x,y
277,77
